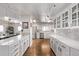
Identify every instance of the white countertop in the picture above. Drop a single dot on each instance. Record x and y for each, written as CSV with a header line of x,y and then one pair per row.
x,y
67,41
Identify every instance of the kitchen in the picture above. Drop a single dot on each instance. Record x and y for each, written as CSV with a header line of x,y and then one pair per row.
x,y
23,23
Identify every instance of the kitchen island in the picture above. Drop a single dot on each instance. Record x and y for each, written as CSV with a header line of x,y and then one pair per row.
x,y
14,45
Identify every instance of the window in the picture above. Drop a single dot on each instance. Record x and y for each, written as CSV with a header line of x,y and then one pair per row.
x,y
1,28
46,28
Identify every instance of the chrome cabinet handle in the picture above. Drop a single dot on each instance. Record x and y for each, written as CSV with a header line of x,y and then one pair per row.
x,y
59,49
63,46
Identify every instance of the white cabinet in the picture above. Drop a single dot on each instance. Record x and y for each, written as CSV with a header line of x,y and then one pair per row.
x,y
65,17
9,49
51,43
74,52
55,46
63,50
14,49
4,52
14,46
54,23
58,22
74,15
59,48
24,44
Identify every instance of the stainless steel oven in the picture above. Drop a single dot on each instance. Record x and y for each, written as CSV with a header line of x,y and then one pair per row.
x,y
41,35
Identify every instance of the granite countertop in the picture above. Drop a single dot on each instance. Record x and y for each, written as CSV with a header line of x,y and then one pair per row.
x,y
9,40
8,36
69,42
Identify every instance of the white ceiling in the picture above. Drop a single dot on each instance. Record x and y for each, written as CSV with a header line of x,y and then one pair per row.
x,y
36,10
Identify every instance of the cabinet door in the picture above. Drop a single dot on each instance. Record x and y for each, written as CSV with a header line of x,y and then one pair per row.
x,y
55,46
64,50
74,52
4,50
51,42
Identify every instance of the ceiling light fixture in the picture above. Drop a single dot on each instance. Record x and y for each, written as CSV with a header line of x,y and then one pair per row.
x,y
34,21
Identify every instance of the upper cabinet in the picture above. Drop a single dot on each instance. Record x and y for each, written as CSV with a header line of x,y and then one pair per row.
x,y
58,22
54,23
78,14
65,19
74,15
68,18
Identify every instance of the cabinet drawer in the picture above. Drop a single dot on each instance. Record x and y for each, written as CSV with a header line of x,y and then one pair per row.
x,y
13,47
65,50
14,50
16,53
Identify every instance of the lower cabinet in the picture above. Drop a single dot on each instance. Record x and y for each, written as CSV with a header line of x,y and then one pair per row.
x,y
24,44
10,50
51,43
15,48
55,46
74,52
59,48
4,51
63,50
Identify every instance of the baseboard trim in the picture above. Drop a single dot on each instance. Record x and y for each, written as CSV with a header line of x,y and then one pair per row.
x,y
25,51
53,51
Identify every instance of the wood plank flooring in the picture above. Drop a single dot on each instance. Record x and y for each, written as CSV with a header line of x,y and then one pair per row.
x,y
40,47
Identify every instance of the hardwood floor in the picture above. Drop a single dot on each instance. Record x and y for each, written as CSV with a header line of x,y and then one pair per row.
x,y
40,47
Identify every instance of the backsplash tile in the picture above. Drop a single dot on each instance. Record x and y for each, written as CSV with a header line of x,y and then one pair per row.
x,y
69,33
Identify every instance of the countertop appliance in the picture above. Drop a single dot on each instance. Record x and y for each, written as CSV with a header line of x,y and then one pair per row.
x,y
10,30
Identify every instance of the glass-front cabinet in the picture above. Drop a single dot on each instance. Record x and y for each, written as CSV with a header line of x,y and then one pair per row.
x,y
68,18
58,22
54,23
78,14
65,19
74,15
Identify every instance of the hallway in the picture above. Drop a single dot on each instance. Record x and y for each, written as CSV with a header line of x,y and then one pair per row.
x,y
40,47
